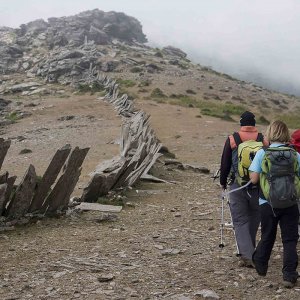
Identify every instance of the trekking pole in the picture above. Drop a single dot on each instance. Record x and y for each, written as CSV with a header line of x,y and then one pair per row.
x,y
216,175
236,244
221,245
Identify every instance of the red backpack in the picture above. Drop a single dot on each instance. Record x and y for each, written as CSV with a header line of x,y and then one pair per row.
x,y
295,140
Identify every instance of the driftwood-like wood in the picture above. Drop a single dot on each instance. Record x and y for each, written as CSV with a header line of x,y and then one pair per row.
x,y
3,188
20,202
59,197
49,178
4,146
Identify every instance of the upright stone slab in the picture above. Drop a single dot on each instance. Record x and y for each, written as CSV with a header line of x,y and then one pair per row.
x,y
141,170
3,188
49,177
4,177
96,187
10,184
4,146
20,203
105,177
132,165
59,198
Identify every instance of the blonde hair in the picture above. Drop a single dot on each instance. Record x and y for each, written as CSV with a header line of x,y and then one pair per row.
x,y
277,131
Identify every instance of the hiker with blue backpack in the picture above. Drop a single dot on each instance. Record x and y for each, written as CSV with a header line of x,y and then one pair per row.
x,y
238,152
276,168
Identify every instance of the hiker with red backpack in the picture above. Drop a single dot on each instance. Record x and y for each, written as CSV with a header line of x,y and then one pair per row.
x,y
295,140
277,170
238,152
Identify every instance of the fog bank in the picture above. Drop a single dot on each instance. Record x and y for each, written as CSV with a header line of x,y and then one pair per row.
x,y
254,40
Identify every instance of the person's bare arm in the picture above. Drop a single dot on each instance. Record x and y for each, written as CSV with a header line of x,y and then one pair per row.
x,y
254,177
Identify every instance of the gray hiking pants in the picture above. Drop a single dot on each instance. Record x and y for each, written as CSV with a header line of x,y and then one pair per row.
x,y
245,214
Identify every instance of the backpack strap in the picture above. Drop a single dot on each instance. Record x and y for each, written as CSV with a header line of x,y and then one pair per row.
x,y
237,138
260,137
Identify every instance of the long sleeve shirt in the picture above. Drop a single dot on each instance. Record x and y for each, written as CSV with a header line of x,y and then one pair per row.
x,y
246,133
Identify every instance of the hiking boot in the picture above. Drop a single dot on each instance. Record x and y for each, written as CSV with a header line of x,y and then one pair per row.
x,y
260,269
245,262
288,284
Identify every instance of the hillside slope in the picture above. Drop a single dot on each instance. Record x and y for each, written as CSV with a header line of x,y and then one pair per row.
x,y
164,244
39,55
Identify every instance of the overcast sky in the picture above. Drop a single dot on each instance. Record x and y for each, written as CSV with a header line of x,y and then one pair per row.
x,y
254,40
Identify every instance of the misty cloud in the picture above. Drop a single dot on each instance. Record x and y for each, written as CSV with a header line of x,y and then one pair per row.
x,y
254,40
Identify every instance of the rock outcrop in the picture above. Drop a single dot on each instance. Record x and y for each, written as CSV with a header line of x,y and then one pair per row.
x,y
89,27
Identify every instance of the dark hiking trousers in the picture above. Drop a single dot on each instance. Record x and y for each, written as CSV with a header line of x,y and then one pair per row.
x,y
288,222
245,214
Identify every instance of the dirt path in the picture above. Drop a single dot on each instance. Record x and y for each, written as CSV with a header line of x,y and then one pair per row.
x,y
164,244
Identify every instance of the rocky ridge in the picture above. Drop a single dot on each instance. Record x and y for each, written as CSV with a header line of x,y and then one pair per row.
x,y
40,53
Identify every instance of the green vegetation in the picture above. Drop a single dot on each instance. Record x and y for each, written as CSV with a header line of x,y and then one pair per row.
x,y
211,108
90,88
126,82
221,110
118,201
291,120
157,93
13,116
130,95
191,92
183,100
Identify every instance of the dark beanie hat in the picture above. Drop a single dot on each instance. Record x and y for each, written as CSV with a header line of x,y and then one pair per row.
x,y
247,119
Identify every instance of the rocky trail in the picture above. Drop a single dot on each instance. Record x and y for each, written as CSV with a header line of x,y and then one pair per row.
x,y
165,242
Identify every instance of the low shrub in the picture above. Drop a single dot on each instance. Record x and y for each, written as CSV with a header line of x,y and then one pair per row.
x,y
90,88
191,92
220,110
291,120
157,93
126,82
13,116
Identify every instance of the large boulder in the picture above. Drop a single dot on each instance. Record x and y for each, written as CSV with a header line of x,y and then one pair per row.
x,y
94,25
170,50
68,45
